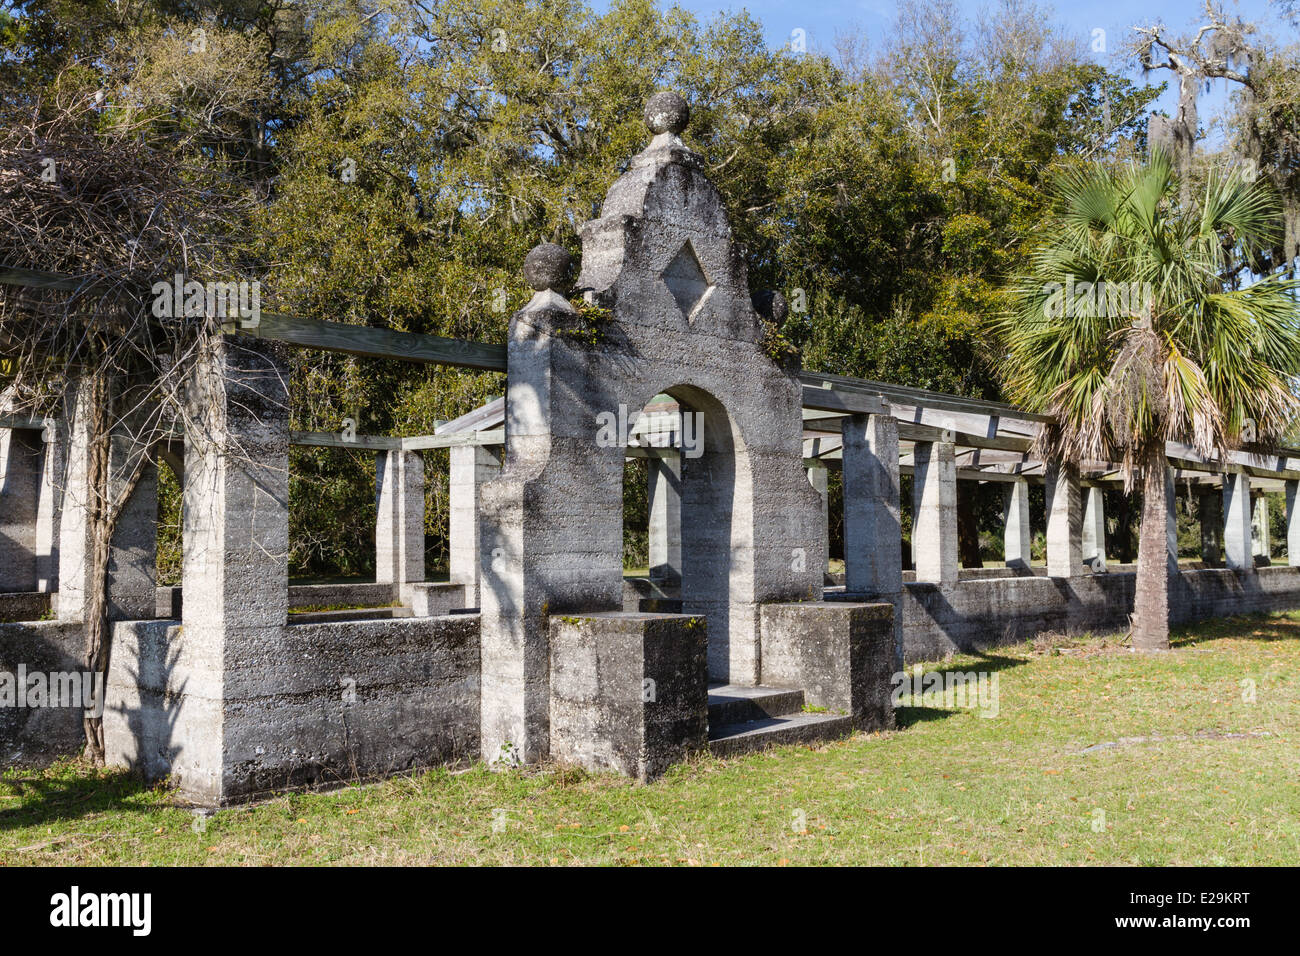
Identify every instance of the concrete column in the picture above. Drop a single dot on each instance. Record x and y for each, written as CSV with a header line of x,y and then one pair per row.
x,y
75,544
1064,523
934,513
1236,522
471,467
21,456
665,526
232,652
399,524
1293,523
133,552
1016,534
1260,545
873,560
1094,527
1171,520
133,556
1211,515
50,509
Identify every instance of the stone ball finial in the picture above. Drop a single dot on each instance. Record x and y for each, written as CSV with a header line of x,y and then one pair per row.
x,y
667,112
771,305
547,266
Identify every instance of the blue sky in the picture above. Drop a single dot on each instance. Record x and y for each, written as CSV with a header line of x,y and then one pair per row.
x,y
822,19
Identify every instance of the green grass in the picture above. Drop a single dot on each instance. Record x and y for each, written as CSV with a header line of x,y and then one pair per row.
x,y
945,788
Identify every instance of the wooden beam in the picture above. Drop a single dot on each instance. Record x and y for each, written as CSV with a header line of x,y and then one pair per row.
x,y
377,343
336,440
456,440
32,279
846,403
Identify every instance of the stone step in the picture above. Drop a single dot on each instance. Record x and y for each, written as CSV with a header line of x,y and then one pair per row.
x,y
734,704
728,740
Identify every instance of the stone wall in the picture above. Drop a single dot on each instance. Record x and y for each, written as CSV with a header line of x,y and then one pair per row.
x,y
977,614
329,703
36,735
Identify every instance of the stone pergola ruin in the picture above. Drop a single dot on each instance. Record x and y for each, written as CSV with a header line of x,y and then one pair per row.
x,y
538,646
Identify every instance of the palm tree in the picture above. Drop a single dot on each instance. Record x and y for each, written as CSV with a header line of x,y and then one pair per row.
x,y
1132,326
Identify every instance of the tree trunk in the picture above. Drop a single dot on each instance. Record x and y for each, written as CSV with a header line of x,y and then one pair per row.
x,y
105,509
1151,601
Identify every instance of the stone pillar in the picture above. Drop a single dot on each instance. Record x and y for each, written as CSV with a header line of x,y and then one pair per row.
x,y
399,525
1211,515
75,545
819,478
133,552
50,509
1260,545
1064,523
664,474
934,512
872,557
133,557
1236,522
1015,514
21,456
235,573
1094,527
471,466
1293,523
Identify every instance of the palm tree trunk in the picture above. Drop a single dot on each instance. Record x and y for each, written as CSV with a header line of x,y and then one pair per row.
x,y
1151,600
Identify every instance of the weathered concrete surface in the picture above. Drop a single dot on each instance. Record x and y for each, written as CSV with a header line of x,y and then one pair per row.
x,y
1064,524
661,260
664,478
471,466
25,606
628,691
973,615
326,703
170,603
399,522
434,599
934,512
1018,538
1094,528
841,654
34,736
873,557
1236,522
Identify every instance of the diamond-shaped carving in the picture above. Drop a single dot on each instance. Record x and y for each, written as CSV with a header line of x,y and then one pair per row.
x,y
686,280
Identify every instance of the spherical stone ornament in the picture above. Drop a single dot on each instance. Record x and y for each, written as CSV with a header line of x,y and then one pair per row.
x,y
667,112
772,306
547,266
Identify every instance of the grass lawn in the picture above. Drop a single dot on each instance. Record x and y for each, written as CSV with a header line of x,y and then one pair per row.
x,y
1198,773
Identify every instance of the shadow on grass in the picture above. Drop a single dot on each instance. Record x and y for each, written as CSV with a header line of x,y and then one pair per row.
x,y
43,800
1280,626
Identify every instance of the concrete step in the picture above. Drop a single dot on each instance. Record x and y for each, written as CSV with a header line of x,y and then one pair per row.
x,y
728,740
734,704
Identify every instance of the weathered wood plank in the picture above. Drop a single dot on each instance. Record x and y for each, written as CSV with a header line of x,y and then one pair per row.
x,y
336,440
378,343
846,402
423,442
